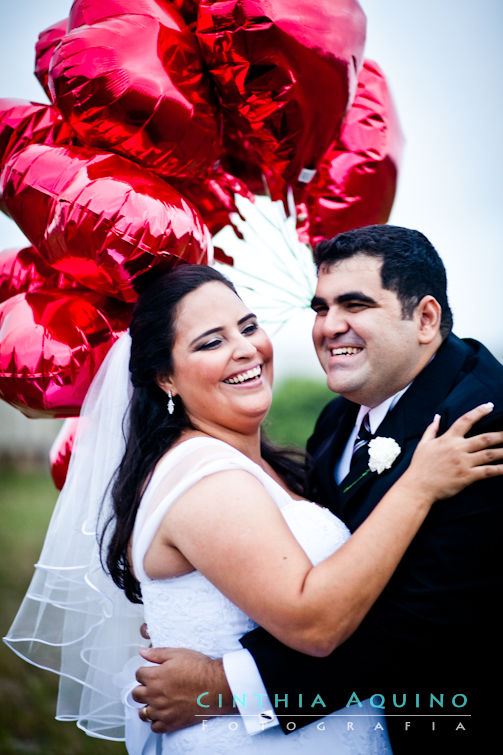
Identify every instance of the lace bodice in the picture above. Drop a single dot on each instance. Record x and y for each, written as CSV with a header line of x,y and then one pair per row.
x,y
188,611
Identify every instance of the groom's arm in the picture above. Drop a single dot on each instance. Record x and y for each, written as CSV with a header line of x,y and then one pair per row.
x,y
302,688
434,623
183,687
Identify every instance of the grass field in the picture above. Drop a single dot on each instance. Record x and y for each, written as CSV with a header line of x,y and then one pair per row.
x,y
28,694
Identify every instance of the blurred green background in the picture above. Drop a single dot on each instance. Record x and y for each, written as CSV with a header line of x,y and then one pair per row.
x,y
27,498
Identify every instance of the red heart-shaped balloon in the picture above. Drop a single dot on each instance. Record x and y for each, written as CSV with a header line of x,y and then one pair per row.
x,y
47,42
285,75
61,451
85,12
23,123
23,270
187,8
135,84
51,345
98,217
356,181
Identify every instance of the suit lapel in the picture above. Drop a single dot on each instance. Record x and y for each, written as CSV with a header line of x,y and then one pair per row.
x,y
326,456
412,414
417,407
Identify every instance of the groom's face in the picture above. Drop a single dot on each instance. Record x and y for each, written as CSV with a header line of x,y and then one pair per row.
x,y
366,347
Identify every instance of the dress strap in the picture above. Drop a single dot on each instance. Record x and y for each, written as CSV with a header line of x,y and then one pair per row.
x,y
179,470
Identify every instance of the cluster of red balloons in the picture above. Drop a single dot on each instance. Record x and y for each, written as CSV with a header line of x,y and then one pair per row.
x,y
161,111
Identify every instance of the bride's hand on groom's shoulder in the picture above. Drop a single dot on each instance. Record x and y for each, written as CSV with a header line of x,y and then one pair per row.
x,y
171,688
443,465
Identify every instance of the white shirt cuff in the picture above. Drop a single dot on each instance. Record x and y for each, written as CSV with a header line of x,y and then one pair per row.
x,y
248,692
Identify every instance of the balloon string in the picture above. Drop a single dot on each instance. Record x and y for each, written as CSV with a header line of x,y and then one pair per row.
x,y
292,301
287,230
269,261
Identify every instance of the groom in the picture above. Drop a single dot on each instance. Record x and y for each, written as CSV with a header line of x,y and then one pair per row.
x,y
383,336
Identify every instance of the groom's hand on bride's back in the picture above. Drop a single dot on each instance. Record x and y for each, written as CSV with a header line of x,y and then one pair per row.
x,y
171,688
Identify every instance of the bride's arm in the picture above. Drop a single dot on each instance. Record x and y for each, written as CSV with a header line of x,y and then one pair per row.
x,y
229,528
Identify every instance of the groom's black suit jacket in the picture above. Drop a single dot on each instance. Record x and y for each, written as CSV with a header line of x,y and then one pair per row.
x,y
435,628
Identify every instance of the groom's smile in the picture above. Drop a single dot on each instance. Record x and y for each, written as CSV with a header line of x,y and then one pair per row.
x,y
367,348
345,350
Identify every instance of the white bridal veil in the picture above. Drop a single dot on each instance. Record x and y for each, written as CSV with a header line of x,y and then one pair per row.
x,y
73,619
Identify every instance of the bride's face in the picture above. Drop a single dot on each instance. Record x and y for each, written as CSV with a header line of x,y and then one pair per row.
x,y
222,361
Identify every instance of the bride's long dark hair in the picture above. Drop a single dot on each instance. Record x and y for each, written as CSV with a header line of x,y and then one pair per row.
x,y
151,429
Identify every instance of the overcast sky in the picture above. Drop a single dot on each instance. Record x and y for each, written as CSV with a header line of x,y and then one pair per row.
x,y
443,60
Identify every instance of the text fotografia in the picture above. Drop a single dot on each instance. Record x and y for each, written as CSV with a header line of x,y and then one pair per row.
x,y
456,727
420,701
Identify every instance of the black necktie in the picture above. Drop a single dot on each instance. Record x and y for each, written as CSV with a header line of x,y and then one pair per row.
x,y
361,442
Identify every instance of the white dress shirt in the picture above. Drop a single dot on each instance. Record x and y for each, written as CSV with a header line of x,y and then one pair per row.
x,y
239,666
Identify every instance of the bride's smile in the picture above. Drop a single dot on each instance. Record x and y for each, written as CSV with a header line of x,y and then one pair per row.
x,y
222,359
250,376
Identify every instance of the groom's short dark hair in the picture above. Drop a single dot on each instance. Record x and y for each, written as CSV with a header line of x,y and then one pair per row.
x,y
411,266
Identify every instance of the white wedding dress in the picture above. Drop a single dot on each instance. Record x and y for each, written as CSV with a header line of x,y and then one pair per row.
x,y
188,611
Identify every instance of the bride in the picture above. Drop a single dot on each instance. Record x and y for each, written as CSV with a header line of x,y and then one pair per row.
x,y
206,525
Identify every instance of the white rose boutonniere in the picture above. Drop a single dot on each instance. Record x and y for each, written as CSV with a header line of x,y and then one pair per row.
x,y
382,453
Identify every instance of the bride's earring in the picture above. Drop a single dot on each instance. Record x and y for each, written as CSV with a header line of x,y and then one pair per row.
x,y
171,403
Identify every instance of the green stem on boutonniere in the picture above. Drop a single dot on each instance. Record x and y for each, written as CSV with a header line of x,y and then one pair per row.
x,y
345,490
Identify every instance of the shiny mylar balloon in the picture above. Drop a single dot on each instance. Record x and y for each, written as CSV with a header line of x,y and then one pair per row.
x,y
46,44
356,181
187,9
23,123
131,80
23,270
84,12
214,197
239,159
51,345
285,74
61,451
89,11
98,217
